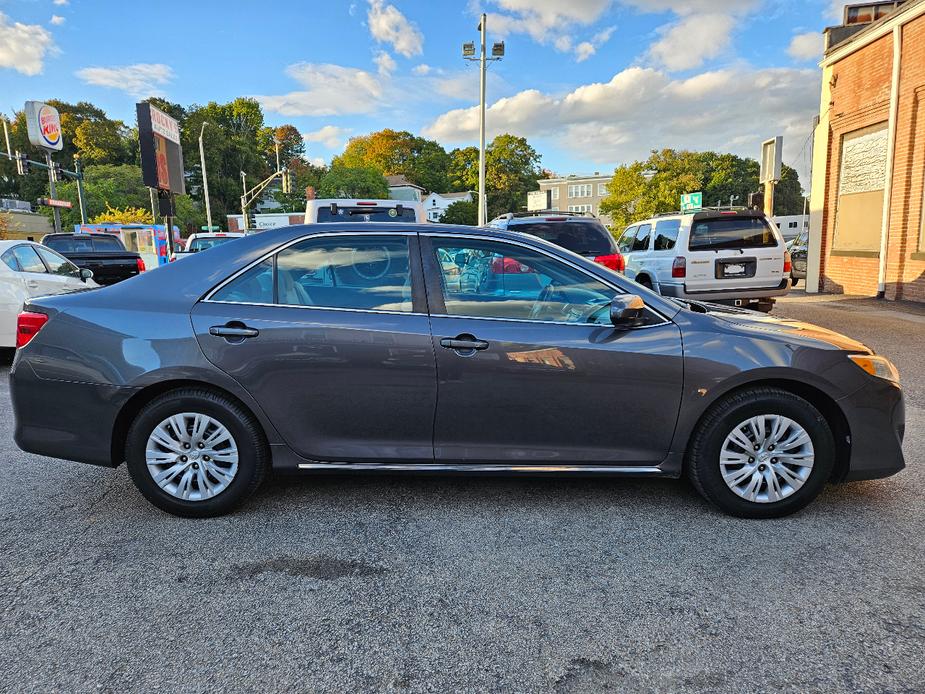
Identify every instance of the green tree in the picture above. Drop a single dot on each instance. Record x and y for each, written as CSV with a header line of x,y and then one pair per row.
x,y
394,152
643,189
353,182
461,212
463,172
108,186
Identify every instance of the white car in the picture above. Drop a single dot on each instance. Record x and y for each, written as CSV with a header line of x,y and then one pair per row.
x,y
28,270
337,210
203,242
734,257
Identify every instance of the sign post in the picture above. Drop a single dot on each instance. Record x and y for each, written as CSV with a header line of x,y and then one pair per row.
x,y
44,127
771,164
691,202
161,161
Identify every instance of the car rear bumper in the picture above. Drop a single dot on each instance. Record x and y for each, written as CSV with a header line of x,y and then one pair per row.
x,y
876,418
64,419
680,291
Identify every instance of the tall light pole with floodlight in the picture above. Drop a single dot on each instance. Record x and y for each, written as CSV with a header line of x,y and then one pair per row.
x,y
497,52
205,178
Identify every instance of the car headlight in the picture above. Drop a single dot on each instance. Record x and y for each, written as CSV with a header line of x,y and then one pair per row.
x,y
881,367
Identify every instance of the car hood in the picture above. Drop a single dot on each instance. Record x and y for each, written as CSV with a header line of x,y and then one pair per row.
x,y
783,327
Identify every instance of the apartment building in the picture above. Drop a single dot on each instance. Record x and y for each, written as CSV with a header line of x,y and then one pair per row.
x,y
578,193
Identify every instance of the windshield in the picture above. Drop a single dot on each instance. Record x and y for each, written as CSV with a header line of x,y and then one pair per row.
x,y
366,214
202,244
731,233
582,237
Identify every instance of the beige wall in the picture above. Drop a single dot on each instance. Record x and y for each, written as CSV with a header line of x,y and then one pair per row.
x,y
564,201
23,225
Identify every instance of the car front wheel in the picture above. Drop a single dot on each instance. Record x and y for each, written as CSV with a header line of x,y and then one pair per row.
x,y
196,453
761,453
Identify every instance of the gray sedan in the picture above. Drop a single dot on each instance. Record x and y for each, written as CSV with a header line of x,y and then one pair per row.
x,y
378,347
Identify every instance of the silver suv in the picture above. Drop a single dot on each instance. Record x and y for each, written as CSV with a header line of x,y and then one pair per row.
x,y
734,257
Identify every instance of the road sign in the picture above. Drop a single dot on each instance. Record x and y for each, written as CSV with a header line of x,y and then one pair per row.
x,y
691,202
206,228
771,151
51,202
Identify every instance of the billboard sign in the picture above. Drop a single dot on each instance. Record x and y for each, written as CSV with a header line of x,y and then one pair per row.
x,y
771,159
161,153
44,126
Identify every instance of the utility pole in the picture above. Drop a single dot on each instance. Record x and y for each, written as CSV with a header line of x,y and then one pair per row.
x,y
244,202
205,178
6,136
51,189
80,189
497,52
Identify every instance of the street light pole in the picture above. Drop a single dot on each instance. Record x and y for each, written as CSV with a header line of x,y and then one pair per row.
x,y
205,178
482,211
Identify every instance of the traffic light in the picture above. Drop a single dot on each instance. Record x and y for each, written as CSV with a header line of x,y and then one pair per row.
x,y
755,201
22,164
57,172
285,181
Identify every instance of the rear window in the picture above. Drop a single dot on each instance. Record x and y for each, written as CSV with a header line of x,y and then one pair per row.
x,y
582,237
208,242
731,233
84,243
107,243
366,214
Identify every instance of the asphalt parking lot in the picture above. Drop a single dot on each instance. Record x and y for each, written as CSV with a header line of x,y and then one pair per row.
x,y
485,584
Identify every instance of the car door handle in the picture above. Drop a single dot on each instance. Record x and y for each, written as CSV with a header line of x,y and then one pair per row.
x,y
463,344
233,331
32,284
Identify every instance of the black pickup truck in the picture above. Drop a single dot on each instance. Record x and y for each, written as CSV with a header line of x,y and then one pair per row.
x,y
102,253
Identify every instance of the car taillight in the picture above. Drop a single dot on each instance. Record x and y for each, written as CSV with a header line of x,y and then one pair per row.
x,y
614,261
28,325
679,267
788,265
141,264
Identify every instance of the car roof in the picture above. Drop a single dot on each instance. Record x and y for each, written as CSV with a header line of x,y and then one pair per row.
x,y
9,243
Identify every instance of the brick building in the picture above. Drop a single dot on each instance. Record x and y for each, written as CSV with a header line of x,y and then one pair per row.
x,y
867,229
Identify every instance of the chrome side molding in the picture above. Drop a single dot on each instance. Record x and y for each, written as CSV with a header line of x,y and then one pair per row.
x,y
483,468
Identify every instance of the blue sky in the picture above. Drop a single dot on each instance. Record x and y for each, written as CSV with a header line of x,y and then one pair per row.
x,y
591,83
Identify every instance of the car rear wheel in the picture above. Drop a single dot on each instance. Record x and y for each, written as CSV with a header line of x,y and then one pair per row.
x,y
196,453
761,453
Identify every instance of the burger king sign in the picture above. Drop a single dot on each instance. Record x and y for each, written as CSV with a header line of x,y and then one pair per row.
x,y
44,125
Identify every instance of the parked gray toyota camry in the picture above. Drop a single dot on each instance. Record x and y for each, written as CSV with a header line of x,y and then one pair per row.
x,y
379,347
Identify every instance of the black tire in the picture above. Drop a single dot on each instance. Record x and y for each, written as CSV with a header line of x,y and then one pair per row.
x,y
794,282
703,462
253,452
645,282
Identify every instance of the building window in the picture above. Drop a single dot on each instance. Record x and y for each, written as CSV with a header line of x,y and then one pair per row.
x,y
602,190
579,190
862,178
555,193
581,208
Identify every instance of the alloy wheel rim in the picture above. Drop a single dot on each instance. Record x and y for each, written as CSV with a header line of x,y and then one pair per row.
x,y
766,458
192,456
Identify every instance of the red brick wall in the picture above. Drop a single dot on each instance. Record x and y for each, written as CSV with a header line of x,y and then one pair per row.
x,y
860,98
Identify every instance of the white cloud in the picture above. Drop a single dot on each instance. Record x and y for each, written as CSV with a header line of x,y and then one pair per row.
x,y
688,43
331,136
689,7
806,46
61,3
586,49
551,21
23,47
388,25
643,108
139,80
422,69
385,63
56,20
329,90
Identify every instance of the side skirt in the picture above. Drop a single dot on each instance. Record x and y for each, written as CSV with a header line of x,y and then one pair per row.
x,y
485,469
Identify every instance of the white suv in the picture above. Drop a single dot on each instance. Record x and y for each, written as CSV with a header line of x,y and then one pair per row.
x,y
734,257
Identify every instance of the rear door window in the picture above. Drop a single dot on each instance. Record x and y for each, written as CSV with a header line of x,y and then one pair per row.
x,y
10,260
666,234
626,239
731,233
641,242
582,237
28,259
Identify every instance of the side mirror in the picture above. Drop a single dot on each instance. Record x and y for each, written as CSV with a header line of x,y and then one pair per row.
x,y
626,310
86,274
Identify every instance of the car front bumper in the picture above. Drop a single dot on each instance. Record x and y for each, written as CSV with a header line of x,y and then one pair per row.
x,y
877,419
680,291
